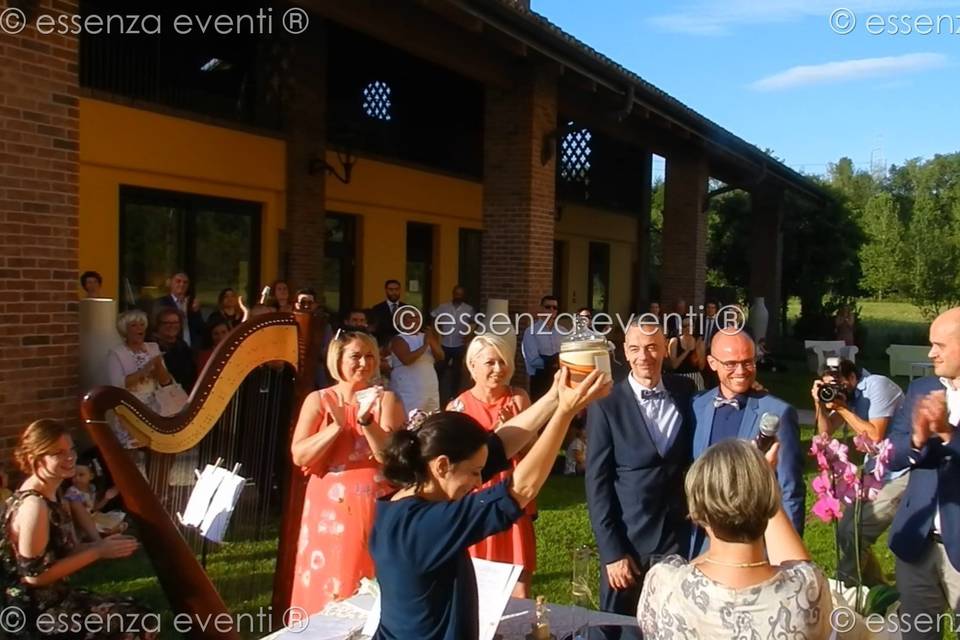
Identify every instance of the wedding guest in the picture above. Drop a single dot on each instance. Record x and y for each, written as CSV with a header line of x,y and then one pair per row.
x,y
137,366
757,579
280,292
541,347
39,551
189,308
491,401
454,321
91,281
338,442
227,311
177,356
382,313
686,354
413,376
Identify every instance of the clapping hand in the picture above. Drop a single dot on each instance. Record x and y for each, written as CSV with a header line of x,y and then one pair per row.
x,y
930,418
333,405
116,546
368,400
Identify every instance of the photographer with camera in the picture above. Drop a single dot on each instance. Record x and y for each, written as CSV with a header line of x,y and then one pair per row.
x,y
849,396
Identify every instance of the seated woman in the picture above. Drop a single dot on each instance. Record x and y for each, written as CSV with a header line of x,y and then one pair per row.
x,y
38,549
420,538
740,587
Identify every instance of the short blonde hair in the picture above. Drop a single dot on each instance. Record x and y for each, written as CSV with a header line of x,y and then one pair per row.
x,y
501,346
732,489
340,342
127,318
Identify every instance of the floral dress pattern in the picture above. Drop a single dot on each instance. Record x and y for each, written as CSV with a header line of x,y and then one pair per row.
x,y
68,607
679,602
338,513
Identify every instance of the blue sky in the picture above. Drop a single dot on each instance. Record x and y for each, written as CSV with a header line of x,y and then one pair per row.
x,y
776,73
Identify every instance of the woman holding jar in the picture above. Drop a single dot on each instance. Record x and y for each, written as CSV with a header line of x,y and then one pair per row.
x,y
338,441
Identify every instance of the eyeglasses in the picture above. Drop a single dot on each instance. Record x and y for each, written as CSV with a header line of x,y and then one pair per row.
x,y
731,365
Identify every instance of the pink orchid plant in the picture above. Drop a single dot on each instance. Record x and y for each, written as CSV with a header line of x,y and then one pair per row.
x,y
841,482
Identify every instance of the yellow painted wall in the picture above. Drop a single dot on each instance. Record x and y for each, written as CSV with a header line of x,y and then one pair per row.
x,y
387,197
124,146
578,226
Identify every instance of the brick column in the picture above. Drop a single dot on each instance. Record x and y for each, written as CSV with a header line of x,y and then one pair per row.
x,y
39,227
684,230
306,140
766,266
519,194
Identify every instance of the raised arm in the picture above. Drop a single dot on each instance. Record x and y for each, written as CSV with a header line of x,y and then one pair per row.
x,y
533,470
523,427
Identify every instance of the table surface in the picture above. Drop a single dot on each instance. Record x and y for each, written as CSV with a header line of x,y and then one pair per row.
x,y
514,625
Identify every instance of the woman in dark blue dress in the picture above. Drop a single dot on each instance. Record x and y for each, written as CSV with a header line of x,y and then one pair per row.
x,y
422,532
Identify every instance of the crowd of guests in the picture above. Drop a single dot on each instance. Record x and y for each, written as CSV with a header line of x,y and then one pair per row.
x,y
699,533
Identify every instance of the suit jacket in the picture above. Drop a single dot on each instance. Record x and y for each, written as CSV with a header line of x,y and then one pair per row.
x,y
934,479
634,495
194,321
790,465
383,321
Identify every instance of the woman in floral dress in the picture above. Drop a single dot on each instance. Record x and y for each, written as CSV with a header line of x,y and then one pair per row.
x,y
338,441
38,552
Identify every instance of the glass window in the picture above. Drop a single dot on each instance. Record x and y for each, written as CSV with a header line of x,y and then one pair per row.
x,y
215,241
598,271
419,266
470,264
339,262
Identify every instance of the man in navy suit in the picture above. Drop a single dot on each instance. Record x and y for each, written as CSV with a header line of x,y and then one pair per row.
x,y
638,449
733,410
925,535
194,329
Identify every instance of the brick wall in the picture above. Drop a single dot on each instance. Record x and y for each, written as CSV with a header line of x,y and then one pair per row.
x,y
519,194
684,243
39,228
306,127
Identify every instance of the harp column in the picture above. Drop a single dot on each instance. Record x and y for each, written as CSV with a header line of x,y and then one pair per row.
x,y
306,131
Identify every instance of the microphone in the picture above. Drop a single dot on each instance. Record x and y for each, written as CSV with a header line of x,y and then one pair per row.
x,y
769,426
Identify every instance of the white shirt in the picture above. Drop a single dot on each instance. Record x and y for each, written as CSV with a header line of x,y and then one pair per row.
x,y
953,416
660,414
539,342
455,324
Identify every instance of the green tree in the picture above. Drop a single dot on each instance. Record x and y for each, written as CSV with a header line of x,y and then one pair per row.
x,y
931,262
857,187
881,257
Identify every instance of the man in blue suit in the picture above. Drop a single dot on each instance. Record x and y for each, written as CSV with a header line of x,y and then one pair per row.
x,y
638,449
925,534
733,410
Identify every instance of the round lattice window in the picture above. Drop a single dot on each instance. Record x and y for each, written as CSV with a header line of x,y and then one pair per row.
x,y
575,156
376,100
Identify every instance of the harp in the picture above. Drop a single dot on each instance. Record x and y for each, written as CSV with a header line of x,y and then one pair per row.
x,y
293,338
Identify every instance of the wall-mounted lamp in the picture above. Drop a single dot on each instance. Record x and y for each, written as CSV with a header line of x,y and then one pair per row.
x,y
346,160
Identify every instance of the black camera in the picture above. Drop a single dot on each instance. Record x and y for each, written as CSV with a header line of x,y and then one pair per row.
x,y
830,391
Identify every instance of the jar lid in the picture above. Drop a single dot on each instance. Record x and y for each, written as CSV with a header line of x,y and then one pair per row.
x,y
585,344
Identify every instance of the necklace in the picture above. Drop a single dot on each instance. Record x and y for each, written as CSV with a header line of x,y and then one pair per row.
x,y
736,565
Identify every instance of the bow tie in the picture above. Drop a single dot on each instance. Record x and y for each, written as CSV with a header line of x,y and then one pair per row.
x,y
651,395
719,401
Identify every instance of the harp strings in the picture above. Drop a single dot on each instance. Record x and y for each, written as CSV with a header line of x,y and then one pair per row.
x,y
252,431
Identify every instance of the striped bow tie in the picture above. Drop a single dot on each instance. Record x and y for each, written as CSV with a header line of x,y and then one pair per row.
x,y
719,401
651,395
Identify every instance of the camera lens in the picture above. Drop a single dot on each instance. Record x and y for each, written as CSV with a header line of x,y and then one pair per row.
x,y
827,393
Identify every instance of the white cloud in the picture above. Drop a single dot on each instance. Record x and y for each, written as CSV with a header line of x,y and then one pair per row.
x,y
892,68
716,17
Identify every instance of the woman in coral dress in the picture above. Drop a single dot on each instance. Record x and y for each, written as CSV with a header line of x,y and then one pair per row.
x,y
491,401
338,441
